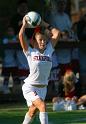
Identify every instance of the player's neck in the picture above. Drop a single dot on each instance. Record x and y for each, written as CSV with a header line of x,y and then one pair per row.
x,y
41,50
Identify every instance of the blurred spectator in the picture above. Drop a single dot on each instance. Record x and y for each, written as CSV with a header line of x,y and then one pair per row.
x,y
74,31
81,28
16,21
9,61
75,51
69,81
22,9
82,102
67,57
75,58
61,20
81,32
23,68
75,65
54,77
69,96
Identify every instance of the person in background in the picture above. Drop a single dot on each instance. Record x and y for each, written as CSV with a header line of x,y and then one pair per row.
x,y
75,59
59,19
79,64
68,99
39,58
68,58
75,65
69,81
16,21
53,83
81,32
81,28
81,103
9,67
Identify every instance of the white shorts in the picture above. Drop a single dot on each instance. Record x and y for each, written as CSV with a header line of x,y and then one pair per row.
x,y
31,93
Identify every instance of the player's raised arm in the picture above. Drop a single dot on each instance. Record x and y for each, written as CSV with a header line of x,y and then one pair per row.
x,y
22,40
52,32
55,35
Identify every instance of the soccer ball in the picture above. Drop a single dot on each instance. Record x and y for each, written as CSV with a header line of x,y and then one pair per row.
x,y
33,19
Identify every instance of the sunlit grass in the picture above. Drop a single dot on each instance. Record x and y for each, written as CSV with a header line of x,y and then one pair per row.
x,y
14,114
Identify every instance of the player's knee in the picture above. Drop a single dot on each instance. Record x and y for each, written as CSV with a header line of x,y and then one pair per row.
x,y
31,114
32,111
42,107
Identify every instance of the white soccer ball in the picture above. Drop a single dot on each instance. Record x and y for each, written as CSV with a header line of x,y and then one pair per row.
x,y
33,19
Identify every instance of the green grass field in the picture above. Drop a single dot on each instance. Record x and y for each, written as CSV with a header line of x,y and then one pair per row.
x,y
14,114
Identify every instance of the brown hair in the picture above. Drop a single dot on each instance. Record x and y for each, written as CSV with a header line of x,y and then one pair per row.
x,y
37,30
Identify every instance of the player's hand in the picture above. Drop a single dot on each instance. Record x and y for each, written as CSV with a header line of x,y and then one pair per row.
x,y
55,33
24,22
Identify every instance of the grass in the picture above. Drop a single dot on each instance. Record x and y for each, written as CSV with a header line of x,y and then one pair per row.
x,y
14,114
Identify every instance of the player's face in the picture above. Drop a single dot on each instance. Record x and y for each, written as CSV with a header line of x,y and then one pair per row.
x,y
41,41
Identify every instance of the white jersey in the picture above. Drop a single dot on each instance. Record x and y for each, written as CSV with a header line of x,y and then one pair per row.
x,y
39,64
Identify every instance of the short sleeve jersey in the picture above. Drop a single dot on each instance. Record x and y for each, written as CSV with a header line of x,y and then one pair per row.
x,y
40,65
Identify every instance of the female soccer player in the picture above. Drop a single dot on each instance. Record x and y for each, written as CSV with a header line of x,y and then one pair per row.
x,y
39,60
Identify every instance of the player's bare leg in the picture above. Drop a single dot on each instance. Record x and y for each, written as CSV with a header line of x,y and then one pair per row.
x,y
30,114
40,104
